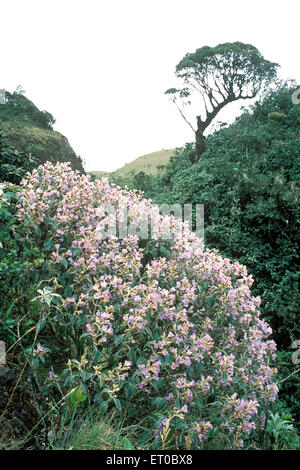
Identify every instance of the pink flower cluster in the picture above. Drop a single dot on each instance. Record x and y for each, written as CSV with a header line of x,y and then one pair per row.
x,y
198,303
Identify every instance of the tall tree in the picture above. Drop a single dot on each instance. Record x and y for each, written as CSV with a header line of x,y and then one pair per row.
x,y
221,74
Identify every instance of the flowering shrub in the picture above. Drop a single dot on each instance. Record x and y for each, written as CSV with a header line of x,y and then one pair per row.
x,y
177,341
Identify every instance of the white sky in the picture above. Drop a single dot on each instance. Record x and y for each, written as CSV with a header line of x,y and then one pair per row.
x,y
101,66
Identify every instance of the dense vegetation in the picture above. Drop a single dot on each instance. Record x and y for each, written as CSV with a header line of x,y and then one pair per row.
x,y
248,180
174,346
29,130
219,75
161,343
149,164
13,164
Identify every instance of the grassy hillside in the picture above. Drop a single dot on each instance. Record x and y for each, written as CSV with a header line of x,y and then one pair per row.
x,y
148,163
30,130
98,174
46,144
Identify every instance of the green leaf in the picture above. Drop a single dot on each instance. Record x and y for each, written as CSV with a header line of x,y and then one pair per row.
x,y
35,363
83,397
40,325
97,356
78,394
10,194
159,402
168,359
191,372
34,275
69,290
48,245
118,340
103,406
156,444
97,399
69,380
130,389
10,307
145,437
224,377
133,356
128,445
141,360
81,320
118,404
200,368
38,232
156,335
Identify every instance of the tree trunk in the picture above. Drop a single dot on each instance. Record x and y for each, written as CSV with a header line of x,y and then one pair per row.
x,y
200,139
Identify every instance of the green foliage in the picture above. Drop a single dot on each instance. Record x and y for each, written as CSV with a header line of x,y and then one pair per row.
x,y
21,270
87,350
87,429
150,164
289,383
19,108
76,398
142,174
13,164
236,64
221,74
248,181
281,433
30,131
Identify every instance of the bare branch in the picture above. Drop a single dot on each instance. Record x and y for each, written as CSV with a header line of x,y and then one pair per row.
x,y
184,116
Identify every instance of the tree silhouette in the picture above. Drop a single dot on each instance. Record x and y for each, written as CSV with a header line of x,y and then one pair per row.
x,y
221,75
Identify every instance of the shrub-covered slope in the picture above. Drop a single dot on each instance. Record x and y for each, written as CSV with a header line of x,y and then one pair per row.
x,y
248,180
166,332
29,130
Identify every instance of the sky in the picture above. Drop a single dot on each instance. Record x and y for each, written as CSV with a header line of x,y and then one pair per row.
x,y
101,67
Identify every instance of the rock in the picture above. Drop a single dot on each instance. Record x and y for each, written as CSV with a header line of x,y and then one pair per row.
x,y
7,376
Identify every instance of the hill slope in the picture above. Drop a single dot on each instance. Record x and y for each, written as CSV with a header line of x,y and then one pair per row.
x,y
30,130
148,163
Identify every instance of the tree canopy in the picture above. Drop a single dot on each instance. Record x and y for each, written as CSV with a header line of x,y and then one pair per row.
x,y
19,108
221,75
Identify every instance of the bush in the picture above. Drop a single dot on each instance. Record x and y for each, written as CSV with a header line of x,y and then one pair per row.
x,y
20,109
13,164
176,343
248,181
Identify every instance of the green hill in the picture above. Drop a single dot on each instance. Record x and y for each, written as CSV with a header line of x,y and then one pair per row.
x,y
148,163
99,174
30,130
